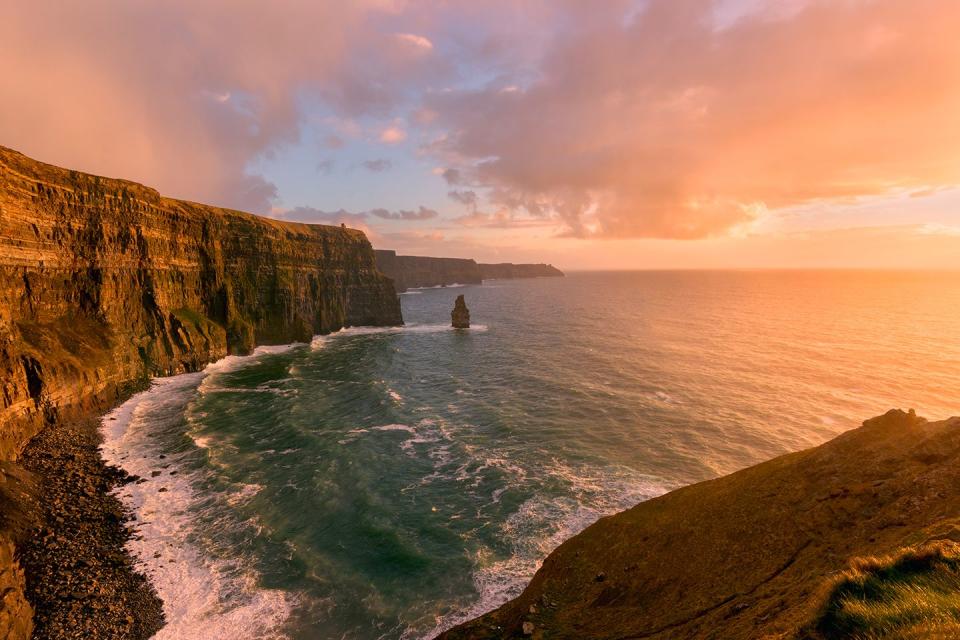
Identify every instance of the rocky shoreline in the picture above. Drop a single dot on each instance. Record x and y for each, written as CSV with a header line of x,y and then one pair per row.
x,y
81,580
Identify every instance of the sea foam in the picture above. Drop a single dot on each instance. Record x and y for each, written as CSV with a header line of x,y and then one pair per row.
x,y
204,596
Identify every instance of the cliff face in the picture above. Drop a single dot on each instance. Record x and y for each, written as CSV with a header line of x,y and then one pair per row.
x,y
409,272
507,270
755,554
104,283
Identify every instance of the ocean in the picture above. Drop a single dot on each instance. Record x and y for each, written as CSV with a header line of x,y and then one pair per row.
x,y
389,483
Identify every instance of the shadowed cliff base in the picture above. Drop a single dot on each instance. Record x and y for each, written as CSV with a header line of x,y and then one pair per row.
x,y
104,284
756,554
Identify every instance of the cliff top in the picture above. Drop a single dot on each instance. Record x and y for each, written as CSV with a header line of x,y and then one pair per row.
x,y
56,177
767,552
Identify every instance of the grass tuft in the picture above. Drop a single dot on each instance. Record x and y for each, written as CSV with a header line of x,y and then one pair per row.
x,y
914,594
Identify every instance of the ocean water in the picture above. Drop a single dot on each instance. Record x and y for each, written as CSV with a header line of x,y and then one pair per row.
x,y
389,483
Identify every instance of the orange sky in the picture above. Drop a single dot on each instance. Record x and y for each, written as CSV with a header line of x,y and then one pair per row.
x,y
622,134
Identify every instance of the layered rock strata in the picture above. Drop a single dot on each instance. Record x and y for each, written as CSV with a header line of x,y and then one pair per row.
x,y
105,283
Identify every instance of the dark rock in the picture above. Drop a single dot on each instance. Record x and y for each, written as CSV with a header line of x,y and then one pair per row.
x,y
460,315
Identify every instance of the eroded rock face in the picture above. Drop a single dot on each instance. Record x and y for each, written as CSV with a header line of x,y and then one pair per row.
x,y
104,283
460,316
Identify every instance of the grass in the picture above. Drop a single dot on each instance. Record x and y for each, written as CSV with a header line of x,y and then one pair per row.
x,y
914,594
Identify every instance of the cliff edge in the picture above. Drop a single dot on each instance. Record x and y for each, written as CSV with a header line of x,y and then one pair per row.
x,y
410,272
105,283
509,271
832,542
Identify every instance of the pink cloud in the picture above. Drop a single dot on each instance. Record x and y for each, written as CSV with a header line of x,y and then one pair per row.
x,y
668,126
393,135
183,95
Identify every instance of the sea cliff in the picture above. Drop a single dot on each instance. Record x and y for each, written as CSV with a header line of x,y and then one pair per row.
x,y
508,270
105,283
410,272
852,539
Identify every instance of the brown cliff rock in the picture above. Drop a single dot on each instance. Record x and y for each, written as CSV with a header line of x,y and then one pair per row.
x,y
104,283
750,555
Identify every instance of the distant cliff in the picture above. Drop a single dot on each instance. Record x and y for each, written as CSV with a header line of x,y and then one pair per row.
x,y
507,270
409,272
766,552
104,283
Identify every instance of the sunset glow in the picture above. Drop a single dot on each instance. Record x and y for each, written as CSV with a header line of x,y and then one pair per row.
x,y
597,135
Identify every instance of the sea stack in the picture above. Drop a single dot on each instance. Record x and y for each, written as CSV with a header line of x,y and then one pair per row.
x,y
460,314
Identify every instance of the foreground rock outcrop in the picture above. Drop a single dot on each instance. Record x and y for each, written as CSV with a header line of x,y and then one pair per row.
x,y
410,272
105,283
753,554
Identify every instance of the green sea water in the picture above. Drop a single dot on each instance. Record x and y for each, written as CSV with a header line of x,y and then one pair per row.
x,y
388,483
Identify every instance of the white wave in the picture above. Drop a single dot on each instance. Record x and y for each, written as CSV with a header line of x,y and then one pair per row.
x,y
267,387
202,442
244,493
539,526
664,397
455,285
203,596
319,342
394,427
230,364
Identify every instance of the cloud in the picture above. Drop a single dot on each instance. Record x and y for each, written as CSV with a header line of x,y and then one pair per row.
x,y
422,213
351,219
467,198
318,216
670,126
453,177
332,142
659,118
186,95
325,166
393,135
377,166
419,42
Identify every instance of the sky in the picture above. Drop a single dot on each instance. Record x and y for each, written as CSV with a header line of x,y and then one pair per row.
x,y
613,134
